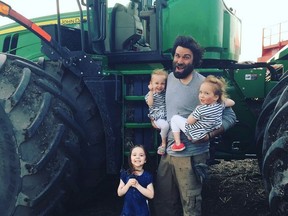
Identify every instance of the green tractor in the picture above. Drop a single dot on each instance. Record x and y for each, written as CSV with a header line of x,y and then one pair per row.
x,y
72,97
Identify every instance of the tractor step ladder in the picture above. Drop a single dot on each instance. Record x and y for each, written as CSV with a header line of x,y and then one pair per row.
x,y
137,128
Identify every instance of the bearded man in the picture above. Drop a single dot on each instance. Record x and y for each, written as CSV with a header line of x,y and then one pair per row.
x,y
178,188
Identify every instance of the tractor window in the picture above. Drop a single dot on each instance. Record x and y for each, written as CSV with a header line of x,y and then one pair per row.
x,y
14,43
10,44
126,29
6,43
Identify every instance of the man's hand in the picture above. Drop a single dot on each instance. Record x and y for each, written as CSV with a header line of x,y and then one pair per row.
x,y
210,135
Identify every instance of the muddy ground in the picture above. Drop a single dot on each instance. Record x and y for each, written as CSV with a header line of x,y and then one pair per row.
x,y
234,188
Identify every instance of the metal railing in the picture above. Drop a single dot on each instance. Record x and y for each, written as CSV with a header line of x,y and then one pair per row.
x,y
275,34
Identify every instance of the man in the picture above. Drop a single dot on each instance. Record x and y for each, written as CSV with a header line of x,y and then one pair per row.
x,y
176,179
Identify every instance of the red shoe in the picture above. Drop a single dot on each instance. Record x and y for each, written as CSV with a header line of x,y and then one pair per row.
x,y
179,147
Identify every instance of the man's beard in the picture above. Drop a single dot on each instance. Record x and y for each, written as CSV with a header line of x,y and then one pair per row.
x,y
187,70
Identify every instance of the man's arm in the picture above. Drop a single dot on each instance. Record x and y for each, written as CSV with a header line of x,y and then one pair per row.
x,y
228,121
228,118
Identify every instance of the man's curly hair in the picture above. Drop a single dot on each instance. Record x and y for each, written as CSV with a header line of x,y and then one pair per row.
x,y
190,43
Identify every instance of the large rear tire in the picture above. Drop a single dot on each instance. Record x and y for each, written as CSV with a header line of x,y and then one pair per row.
x,y
275,156
49,126
9,166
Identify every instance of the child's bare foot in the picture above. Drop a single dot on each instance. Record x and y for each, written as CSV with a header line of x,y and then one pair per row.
x,y
161,150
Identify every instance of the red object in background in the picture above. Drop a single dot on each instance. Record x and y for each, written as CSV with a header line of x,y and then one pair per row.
x,y
274,38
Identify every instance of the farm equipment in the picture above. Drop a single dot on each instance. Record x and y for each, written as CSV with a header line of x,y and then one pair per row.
x,y
72,96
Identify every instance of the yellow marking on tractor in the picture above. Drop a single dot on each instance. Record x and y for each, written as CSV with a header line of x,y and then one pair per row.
x,y
64,21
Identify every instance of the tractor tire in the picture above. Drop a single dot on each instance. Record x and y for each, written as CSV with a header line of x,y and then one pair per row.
x,y
49,124
275,156
276,90
261,123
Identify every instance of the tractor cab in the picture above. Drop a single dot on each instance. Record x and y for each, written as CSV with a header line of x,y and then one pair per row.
x,y
143,31
126,32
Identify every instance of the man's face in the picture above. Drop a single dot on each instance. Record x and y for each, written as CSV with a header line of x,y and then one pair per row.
x,y
182,62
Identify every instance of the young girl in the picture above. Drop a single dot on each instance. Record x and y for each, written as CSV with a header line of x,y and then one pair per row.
x,y
155,99
136,184
206,117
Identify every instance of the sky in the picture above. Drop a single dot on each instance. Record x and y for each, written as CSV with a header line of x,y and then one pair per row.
x,y
254,14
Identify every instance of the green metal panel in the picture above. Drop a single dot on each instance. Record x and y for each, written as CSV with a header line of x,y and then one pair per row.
x,y
28,45
251,82
231,37
209,21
